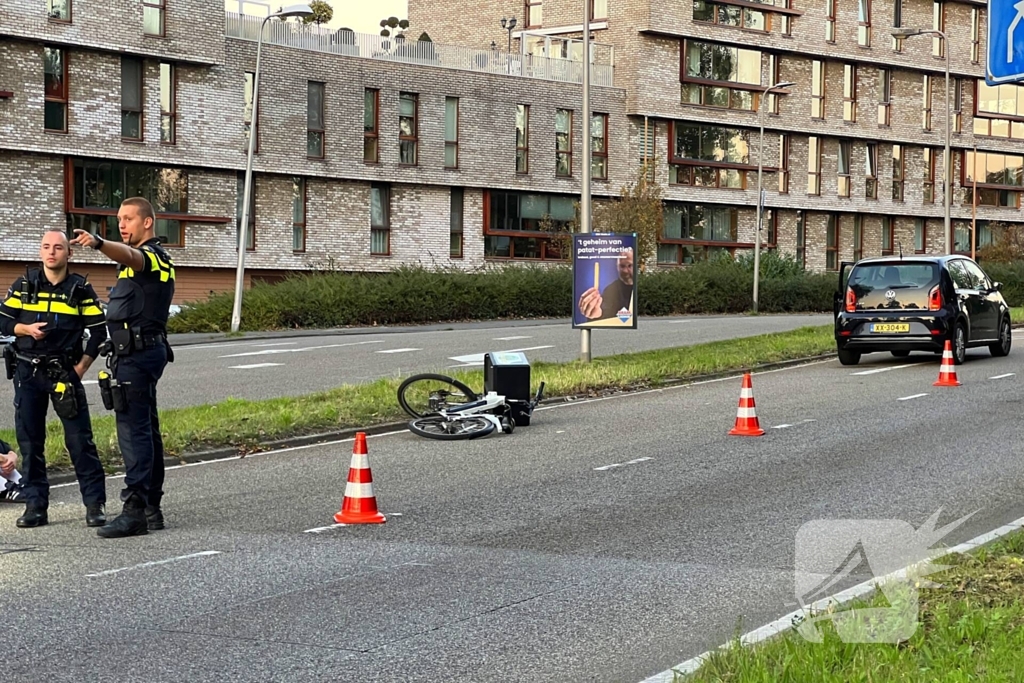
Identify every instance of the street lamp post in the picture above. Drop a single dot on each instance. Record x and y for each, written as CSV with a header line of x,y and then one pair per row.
x,y
947,171
585,216
760,189
509,25
236,309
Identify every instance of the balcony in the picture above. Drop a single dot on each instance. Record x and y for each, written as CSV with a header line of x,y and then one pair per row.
x,y
397,49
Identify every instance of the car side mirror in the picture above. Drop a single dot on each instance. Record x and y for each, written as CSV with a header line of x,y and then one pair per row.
x,y
997,286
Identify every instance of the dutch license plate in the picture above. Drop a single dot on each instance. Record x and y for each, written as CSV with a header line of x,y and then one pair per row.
x,y
890,327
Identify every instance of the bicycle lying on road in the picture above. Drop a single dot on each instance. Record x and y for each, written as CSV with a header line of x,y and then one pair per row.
x,y
446,409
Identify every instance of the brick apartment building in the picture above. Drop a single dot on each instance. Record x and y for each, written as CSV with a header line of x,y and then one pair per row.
x,y
374,153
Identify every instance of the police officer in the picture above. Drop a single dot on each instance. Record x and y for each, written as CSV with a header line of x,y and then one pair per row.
x,y
48,311
137,318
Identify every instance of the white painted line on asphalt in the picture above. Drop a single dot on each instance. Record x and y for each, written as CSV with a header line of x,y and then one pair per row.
x,y
108,572
810,420
781,426
254,365
510,338
785,624
679,322
397,350
291,343
878,370
478,358
907,398
305,348
321,529
620,464
1009,374
216,345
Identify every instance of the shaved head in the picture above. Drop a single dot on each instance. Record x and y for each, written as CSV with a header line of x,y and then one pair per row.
x,y
58,235
54,251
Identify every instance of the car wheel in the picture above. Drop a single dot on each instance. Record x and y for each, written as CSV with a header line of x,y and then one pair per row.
x,y
1002,347
900,354
959,344
848,357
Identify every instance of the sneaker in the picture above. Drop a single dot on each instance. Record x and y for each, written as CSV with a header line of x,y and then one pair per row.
x,y
12,493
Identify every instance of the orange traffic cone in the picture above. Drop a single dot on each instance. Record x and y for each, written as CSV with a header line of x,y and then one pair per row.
x,y
947,371
359,505
746,416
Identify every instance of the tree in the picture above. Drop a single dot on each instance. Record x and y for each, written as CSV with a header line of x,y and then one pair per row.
x,y
1007,244
322,13
392,23
639,209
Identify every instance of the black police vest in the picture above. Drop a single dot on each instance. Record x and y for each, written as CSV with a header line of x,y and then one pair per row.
x,y
56,305
143,299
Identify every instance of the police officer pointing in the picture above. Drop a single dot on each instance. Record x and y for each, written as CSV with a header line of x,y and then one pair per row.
x,y
48,311
137,318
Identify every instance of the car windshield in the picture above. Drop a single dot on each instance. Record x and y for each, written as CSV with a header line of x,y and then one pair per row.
x,y
869,277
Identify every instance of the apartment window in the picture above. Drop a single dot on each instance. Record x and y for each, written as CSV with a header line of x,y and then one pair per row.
x,y
999,110
926,102
534,13
694,232
783,163
871,171
598,10
168,103
813,165
58,10
801,239
728,15
647,148
920,235
131,98
938,24
785,20
371,125
817,89
298,214
708,156
599,146
884,96
958,101
153,17
773,75
563,142
897,173
849,92
975,34
999,177
830,21
315,128
832,242
380,220
843,174
887,236
98,188
515,222
864,23
451,132
897,22
522,138
408,128
55,86
858,237
250,89
250,230
455,223
717,76
928,162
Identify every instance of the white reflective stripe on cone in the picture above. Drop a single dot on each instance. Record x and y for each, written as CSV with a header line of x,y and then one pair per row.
x,y
360,461
745,412
353,490
746,393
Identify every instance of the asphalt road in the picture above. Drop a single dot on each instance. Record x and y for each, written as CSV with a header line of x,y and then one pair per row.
x,y
292,366
523,557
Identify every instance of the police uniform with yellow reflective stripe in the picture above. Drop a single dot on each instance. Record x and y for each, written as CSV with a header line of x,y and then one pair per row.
x,y
43,371
137,315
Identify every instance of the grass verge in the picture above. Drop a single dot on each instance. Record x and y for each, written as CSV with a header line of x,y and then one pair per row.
x,y
1017,315
244,424
970,628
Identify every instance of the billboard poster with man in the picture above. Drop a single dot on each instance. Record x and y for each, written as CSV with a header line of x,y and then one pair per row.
x,y
604,280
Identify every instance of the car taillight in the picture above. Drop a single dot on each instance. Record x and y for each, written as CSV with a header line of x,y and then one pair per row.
x,y
935,299
851,300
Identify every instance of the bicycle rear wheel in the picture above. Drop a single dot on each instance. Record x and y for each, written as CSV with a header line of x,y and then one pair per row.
x,y
427,394
451,429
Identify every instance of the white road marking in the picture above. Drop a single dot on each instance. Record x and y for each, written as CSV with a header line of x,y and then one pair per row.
x,y
810,420
397,350
321,529
214,345
291,343
305,348
878,370
109,572
907,398
510,338
1009,374
255,365
622,464
678,322
478,358
781,426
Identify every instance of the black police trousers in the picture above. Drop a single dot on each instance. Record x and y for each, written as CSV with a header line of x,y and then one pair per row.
x,y
31,401
138,427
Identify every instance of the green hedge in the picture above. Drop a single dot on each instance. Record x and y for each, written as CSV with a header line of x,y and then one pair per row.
x,y
1012,277
416,295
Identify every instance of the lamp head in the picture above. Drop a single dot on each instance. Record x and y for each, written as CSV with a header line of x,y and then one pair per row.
x,y
504,21
301,11
906,32
512,23
784,84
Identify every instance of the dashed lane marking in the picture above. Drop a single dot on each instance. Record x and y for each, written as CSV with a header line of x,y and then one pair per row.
x,y
398,350
620,464
478,358
878,370
907,398
265,352
109,572
254,366
1009,374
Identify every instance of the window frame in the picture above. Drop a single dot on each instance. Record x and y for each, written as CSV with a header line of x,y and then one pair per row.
x,y
864,24
871,170
59,20
451,144
927,96
305,217
858,237
928,182
832,223
938,24
545,240
65,96
898,179
522,159
680,242
735,90
958,105
692,166
311,131
385,193
784,147
529,14
814,169
743,7
818,98
897,22
888,245
923,224
461,232
566,153
412,140
160,6
374,134
884,106
593,10
850,93
843,180
830,21
975,35
801,237
171,114
595,155
140,110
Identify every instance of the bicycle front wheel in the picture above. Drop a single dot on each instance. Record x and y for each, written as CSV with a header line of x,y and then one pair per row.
x,y
428,394
451,429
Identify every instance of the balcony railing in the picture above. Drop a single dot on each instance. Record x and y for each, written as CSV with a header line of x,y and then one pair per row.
x,y
396,49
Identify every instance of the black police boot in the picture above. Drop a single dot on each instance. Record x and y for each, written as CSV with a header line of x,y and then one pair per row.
x,y
131,521
34,516
95,515
154,518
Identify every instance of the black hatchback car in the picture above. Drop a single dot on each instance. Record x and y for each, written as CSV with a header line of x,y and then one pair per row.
x,y
916,303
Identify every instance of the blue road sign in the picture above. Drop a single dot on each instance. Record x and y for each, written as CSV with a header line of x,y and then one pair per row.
x,y
1005,63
